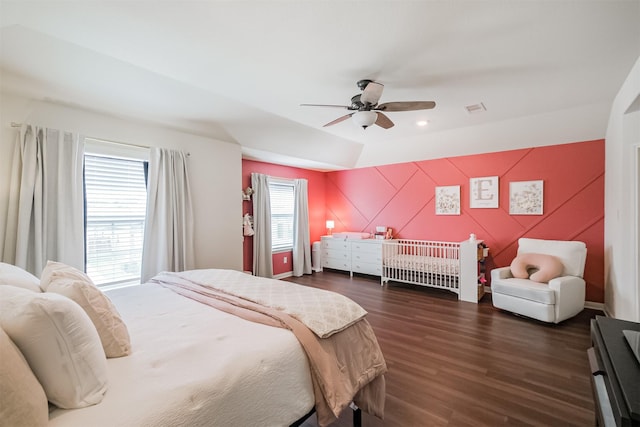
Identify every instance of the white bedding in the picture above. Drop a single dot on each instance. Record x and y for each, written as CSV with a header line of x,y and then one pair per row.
x,y
324,312
192,365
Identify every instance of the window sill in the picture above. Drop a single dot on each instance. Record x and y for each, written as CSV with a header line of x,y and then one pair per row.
x,y
118,286
281,250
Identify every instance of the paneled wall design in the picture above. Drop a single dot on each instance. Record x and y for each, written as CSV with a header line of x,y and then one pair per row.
x,y
402,196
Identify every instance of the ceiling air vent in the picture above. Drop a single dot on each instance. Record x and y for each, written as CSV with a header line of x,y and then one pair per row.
x,y
475,108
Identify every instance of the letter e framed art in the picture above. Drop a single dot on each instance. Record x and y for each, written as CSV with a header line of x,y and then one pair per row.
x,y
484,192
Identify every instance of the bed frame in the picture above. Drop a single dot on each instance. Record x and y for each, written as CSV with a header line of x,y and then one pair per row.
x,y
357,417
446,265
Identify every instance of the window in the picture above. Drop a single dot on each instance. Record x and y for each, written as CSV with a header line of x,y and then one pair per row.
x,y
116,202
281,196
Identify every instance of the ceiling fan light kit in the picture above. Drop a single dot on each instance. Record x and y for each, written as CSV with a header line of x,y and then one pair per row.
x,y
364,119
366,109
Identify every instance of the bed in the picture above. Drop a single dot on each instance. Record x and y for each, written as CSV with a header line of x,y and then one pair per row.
x,y
195,361
452,266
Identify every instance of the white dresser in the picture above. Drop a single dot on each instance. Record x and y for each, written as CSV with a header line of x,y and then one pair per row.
x,y
352,255
366,257
336,253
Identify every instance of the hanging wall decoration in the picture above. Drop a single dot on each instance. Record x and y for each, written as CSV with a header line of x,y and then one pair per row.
x,y
526,197
448,200
483,192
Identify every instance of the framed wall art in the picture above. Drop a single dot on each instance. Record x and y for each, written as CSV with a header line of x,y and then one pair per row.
x,y
448,200
526,197
484,192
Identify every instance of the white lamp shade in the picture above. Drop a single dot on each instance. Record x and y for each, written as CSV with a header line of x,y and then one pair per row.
x,y
330,224
364,119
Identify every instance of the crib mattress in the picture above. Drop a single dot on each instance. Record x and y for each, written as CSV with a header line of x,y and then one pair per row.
x,y
424,264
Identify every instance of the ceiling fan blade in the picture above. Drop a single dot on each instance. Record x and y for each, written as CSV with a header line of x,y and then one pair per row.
x,y
338,120
406,106
383,121
324,105
372,93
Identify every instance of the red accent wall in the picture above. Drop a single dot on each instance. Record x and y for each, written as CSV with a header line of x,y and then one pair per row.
x,y
402,196
317,207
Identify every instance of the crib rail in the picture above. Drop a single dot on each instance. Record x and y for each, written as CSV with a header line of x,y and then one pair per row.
x,y
422,262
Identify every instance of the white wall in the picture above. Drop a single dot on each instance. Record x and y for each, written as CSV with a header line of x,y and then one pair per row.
x,y
622,290
215,170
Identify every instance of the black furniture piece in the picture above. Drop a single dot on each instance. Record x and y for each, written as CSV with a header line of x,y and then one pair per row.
x,y
616,373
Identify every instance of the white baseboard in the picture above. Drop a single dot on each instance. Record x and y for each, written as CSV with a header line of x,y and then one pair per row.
x,y
595,306
283,275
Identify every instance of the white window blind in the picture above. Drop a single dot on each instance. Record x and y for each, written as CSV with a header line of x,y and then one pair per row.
x,y
281,197
116,200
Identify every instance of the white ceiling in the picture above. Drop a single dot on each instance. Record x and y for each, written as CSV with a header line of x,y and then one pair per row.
x,y
547,71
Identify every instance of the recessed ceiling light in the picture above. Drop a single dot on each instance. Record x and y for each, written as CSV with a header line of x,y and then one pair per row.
x,y
422,122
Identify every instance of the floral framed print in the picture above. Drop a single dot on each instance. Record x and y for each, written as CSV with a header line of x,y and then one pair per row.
x,y
526,197
483,192
448,200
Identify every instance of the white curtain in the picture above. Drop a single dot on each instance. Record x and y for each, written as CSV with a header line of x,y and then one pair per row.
x,y
262,256
301,257
45,217
168,231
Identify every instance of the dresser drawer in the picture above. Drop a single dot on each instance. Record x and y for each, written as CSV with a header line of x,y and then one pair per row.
x,y
336,263
337,244
374,269
356,256
369,246
372,257
337,254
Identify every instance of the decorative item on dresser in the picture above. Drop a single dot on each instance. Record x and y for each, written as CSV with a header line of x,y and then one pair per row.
x,y
330,226
616,372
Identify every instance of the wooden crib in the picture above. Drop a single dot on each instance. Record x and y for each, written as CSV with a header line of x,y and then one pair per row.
x,y
446,265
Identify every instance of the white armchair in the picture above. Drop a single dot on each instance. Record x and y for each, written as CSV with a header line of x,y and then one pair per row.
x,y
559,299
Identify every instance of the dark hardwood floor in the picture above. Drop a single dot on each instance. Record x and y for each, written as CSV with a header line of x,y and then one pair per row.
x,y
454,363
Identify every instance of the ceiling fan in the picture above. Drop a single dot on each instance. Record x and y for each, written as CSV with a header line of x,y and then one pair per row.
x,y
367,111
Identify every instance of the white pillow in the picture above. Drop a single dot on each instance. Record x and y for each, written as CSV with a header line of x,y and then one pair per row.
x,y
74,284
15,276
60,344
22,399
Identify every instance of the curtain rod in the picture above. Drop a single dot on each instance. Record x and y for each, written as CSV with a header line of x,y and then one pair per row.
x,y
127,144
118,143
17,125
